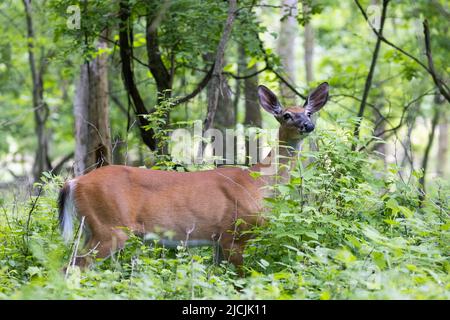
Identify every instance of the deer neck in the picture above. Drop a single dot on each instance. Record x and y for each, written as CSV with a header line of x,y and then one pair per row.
x,y
276,166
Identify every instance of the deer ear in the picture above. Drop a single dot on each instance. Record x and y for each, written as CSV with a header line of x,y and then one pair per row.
x,y
317,98
269,101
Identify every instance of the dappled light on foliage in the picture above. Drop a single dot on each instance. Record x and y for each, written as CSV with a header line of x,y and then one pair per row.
x,y
363,212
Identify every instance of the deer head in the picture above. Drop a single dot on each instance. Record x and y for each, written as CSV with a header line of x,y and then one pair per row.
x,y
295,122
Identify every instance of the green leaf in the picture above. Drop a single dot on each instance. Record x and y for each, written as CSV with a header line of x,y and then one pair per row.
x,y
380,261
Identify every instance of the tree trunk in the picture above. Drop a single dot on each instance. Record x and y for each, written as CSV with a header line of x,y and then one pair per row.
x,y
119,150
380,148
80,111
225,117
225,109
442,153
407,156
368,83
308,47
216,77
215,84
286,47
252,109
308,44
41,112
411,118
237,88
426,154
162,76
126,54
91,109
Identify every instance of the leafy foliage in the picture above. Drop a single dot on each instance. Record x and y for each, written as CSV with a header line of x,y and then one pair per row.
x,y
340,229
344,227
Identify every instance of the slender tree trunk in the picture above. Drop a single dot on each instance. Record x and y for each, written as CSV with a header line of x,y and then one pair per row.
x,y
380,148
100,131
410,121
286,47
225,117
407,143
308,44
225,113
162,76
216,77
368,84
126,54
41,111
308,47
237,88
119,150
309,52
252,109
426,154
442,153
80,110
225,110
91,109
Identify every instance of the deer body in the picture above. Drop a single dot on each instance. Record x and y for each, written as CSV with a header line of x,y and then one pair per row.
x,y
198,206
143,201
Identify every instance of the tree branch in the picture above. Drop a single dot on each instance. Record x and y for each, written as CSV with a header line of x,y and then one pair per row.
x,y
369,78
156,65
58,166
443,88
197,90
213,96
251,75
440,84
387,41
400,124
126,52
434,123
271,68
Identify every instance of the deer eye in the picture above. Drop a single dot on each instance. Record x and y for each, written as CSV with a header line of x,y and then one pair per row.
x,y
308,113
287,116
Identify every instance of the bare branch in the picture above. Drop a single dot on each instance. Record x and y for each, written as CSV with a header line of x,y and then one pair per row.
x,y
426,154
443,89
369,78
394,129
126,51
58,166
251,75
213,97
197,90
271,68
156,65
382,38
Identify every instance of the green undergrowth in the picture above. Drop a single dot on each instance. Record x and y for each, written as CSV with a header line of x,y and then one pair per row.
x,y
343,228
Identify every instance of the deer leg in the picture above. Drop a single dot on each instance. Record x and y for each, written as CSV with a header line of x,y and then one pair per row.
x,y
218,253
103,248
232,251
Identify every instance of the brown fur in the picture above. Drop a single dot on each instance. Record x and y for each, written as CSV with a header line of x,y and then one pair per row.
x,y
206,202
202,205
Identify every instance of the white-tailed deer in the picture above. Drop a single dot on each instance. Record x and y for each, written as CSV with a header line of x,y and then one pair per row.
x,y
198,206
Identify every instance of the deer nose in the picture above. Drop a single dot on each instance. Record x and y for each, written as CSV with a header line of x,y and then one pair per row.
x,y
309,127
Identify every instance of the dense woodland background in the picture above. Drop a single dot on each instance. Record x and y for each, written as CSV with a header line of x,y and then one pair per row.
x,y
366,214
